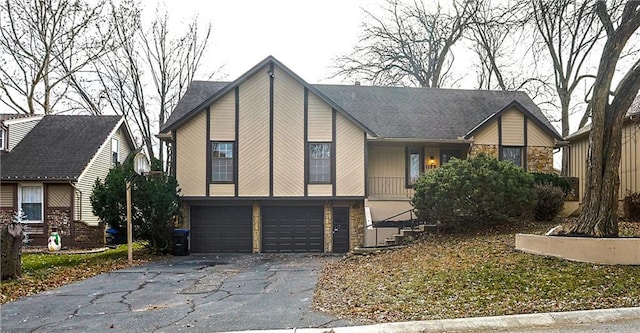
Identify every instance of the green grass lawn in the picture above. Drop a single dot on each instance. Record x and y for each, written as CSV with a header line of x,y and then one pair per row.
x,y
44,271
464,275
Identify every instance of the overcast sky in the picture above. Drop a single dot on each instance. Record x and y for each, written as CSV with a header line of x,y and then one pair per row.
x,y
305,35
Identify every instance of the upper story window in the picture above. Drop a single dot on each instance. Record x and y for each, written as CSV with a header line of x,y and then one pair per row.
x,y
3,139
320,163
115,151
222,162
30,201
513,154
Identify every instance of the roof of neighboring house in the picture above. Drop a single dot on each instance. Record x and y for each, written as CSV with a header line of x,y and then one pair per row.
x,y
632,113
388,112
57,148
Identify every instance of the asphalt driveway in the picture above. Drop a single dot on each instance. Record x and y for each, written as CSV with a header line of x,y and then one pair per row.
x,y
196,293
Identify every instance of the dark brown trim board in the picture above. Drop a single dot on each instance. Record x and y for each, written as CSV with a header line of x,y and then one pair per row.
x,y
306,141
208,152
237,138
333,151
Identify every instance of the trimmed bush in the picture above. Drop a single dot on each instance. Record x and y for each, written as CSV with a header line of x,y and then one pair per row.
x,y
552,179
632,206
550,202
479,190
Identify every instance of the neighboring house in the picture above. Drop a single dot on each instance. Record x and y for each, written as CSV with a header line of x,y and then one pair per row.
x,y
270,163
630,158
49,168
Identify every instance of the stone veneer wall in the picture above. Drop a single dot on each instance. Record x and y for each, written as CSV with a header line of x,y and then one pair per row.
x,y
6,214
256,227
356,225
59,218
540,159
328,227
491,150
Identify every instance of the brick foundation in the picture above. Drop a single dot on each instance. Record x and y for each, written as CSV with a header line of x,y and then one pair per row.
x,y
86,236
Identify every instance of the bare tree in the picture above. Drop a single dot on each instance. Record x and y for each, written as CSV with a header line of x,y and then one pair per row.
x,y
599,215
44,44
170,62
409,45
567,32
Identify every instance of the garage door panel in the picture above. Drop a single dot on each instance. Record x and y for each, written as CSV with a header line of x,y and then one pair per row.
x,y
292,229
221,229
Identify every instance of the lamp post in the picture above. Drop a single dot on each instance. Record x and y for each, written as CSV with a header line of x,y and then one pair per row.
x,y
141,167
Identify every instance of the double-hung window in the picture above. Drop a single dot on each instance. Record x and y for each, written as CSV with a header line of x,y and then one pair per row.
x,y
222,162
115,151
31,202
2,139
513,154
320,163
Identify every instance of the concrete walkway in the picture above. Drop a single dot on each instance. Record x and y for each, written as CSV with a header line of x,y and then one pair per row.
x,y
621,319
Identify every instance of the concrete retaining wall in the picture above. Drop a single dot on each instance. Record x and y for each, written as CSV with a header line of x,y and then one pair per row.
x,y
610,251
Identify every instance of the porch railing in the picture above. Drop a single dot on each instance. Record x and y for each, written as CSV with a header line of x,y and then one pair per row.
x,y
388,187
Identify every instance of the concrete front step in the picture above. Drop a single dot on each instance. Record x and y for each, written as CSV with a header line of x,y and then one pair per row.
x,y
410,234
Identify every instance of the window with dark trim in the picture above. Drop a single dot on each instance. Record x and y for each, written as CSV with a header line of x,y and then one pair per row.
x,y
320,163
512,154
414,165
222,162
30,202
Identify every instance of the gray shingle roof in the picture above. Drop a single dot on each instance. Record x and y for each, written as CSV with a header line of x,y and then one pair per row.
x,y
399,112
57,148
197,92
390,112
425,113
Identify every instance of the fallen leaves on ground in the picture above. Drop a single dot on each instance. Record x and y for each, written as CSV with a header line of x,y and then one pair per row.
x,y
41,271
467,275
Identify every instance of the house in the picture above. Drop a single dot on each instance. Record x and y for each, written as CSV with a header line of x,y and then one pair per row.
x,y
48,169
629,171
271,163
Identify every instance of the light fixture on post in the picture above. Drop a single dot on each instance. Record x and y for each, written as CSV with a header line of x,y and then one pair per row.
x,y
141,167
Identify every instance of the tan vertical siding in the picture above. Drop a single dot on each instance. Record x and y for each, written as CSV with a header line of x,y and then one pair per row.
x,y
319,120
222,190
288,136
59,196
630,161
6,195
18,131
191,156
349,158
320,190
488,135
253,139
513,128
386,161
537,137
223,113
578,157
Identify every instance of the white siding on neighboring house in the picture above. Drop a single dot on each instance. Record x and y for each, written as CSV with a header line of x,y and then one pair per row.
x,y
97,168
18,130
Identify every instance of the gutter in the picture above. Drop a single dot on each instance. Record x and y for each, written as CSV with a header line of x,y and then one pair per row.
x,y
417,140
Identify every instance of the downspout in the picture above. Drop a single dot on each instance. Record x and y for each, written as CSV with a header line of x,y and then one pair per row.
x,y
79,200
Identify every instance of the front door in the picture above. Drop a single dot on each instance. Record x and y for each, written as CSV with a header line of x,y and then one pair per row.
x,y
340,229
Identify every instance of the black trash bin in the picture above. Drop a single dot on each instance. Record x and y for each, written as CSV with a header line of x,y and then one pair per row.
x,y
180,242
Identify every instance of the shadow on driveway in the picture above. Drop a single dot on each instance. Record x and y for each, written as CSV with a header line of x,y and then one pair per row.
x,y
196,293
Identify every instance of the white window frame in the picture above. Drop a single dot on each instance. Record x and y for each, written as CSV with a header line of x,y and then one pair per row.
x,y
3,139
115,149
20,185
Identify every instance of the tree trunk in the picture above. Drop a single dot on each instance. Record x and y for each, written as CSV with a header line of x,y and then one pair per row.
x,y
599,217
11,239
